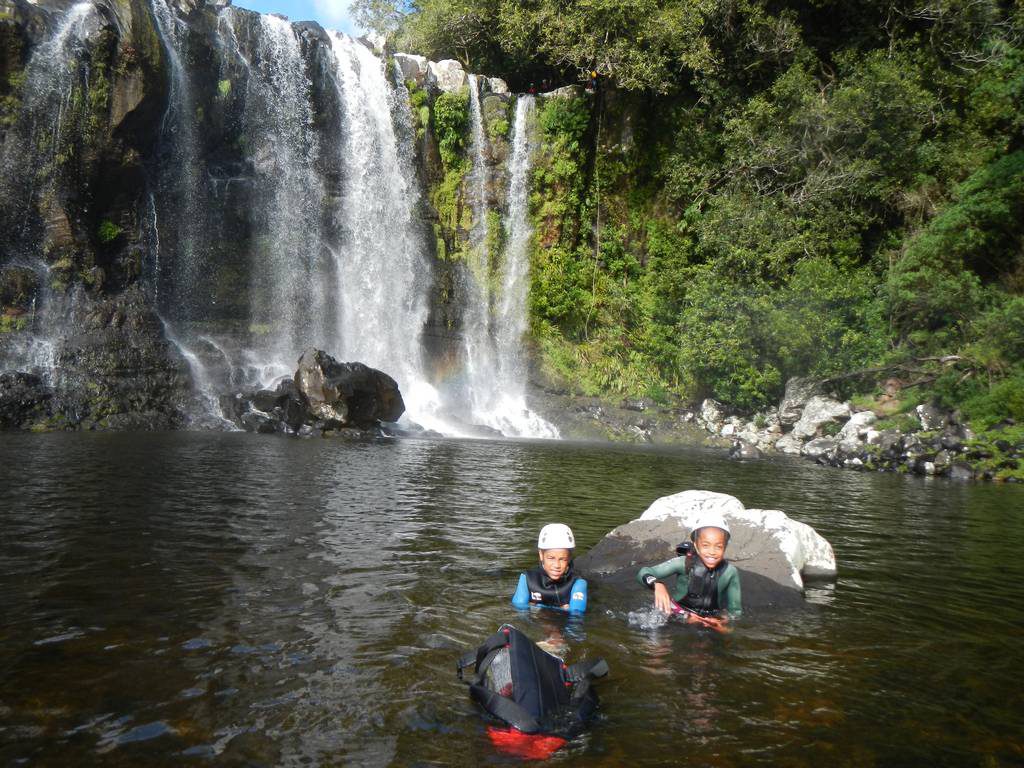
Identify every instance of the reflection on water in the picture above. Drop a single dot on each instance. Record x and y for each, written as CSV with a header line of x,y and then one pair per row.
x,y
186,597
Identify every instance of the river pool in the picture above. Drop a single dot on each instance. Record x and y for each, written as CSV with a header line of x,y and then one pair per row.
x,y
228,599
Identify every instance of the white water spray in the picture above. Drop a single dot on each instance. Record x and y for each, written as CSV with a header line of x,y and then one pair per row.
x,y
496,326
288,275
380,260
30,156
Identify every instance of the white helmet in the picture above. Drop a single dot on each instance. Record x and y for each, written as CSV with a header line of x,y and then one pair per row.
x,y
556,536
710,520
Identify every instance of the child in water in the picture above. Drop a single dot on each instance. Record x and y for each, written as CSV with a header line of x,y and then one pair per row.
x,y
707,589
553,583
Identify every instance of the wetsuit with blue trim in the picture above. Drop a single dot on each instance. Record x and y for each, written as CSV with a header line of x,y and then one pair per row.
x,y
535,587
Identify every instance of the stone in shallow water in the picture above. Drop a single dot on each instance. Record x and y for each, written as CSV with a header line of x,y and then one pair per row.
x,y
360,395
773,552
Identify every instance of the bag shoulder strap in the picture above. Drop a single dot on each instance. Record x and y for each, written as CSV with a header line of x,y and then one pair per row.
x,y
505,709
479,657
586,670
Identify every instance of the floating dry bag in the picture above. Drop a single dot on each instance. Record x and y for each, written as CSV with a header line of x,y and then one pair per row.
x,y
543,700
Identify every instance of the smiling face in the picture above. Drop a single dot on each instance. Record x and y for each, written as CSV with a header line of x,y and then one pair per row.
x,y
555,562
710,545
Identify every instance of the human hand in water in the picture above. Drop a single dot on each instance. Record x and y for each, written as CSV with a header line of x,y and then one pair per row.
x,y
662,600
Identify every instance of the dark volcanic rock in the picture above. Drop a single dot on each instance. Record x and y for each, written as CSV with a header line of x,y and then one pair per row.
x,y
117,370
18,287
325,397
352,394
24,400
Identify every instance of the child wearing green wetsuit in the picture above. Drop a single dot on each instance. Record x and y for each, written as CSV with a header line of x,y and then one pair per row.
x,y
707,589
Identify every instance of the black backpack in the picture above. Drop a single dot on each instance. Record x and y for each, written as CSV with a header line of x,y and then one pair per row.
x,y
530,689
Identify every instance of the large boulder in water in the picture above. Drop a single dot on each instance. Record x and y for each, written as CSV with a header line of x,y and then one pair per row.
x,y
773,552
351,394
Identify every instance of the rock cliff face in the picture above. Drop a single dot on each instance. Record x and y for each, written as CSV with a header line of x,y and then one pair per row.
x,y
82,92
194,193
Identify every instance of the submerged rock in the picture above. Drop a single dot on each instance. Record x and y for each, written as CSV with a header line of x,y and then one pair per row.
x,y
742,451
774,553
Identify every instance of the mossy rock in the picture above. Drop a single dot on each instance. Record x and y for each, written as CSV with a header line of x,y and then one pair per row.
x,y
18,287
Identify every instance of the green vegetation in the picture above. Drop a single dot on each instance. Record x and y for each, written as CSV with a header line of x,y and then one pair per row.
x,y
498,127
224,88
803,189
10,323
108,232
451,123
419,101
10,98
451,119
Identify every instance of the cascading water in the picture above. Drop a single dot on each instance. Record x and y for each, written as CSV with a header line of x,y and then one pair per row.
x,y
511,316
181,193
31,158
477,341
288,274
382,272
495,325
319,144
180,182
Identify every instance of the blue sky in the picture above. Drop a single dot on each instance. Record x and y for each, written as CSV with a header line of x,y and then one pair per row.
x,y
332,14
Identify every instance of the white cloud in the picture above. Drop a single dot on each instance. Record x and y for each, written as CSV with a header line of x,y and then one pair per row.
x,y
334,13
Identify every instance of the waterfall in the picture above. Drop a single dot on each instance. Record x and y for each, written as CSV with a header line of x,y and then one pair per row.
x,y
285,211
181,179
512,311
477,342
31,159
496,321
31,153
288,274
181,193
383,276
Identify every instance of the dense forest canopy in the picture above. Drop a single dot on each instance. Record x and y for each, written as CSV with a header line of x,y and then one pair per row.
x,y
760,190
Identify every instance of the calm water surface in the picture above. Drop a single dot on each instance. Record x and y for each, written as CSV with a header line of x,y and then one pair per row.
x,y
194,599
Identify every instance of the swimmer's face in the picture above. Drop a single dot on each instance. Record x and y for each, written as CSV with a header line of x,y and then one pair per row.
x,y
555,562
710,545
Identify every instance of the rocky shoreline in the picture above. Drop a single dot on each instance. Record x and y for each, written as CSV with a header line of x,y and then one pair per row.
x,y
810,423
